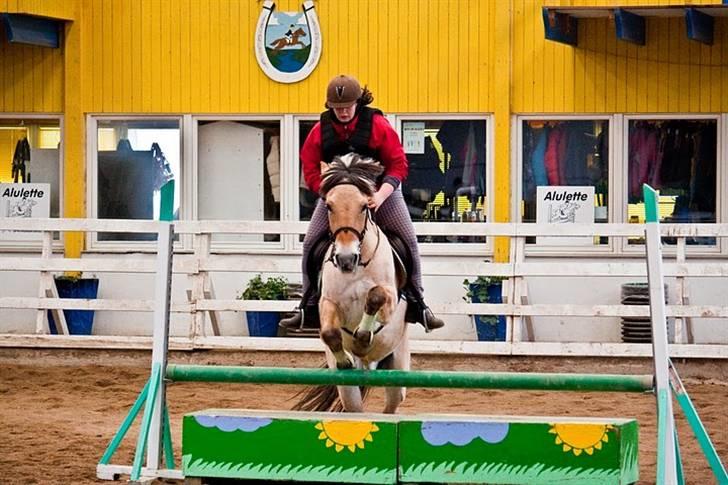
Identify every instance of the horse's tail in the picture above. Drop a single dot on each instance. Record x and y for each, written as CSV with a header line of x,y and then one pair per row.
x,y
322,398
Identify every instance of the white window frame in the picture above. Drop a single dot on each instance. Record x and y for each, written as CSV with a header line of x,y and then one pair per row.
x,y
618,171
540,250
461,249
295,178
238,247
13,246
721,186
92,242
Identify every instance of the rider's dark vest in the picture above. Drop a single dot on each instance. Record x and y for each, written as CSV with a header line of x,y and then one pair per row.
x,y
332,146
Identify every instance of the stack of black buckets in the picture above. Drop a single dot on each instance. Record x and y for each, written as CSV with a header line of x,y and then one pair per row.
x,y
637,329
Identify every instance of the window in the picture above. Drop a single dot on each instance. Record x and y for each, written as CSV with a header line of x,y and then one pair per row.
x,y
134,159
239,173
678,158
447,172
29,155
565,153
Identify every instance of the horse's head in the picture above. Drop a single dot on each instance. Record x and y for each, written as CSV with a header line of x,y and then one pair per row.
x,y
347,183
299,32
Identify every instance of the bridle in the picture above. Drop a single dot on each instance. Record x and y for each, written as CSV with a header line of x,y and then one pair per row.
x,y
359,235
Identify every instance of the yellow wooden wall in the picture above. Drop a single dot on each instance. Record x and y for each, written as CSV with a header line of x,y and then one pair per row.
x,y
603,75
144,56
57,9
451,56
31,78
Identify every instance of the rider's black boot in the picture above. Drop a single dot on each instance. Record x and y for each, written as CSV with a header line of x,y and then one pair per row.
x,y
432,322
294,321
303,317
419,312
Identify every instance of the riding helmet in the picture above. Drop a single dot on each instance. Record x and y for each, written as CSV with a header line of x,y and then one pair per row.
x,y
342,92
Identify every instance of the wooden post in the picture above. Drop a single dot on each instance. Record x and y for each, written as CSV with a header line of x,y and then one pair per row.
x,y
47,289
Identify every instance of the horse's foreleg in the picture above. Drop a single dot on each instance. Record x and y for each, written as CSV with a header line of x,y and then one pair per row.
x,y
394,396
331,334
350,396
378,309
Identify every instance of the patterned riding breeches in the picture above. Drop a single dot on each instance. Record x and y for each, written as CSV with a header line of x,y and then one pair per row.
x,y
392,216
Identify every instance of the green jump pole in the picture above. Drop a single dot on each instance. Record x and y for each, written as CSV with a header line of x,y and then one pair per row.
x,y
396,378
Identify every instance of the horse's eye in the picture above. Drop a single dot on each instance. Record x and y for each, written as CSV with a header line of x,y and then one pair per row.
x,y
328,208
364,208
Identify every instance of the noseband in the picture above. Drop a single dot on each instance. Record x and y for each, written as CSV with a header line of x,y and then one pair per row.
x,y
359,235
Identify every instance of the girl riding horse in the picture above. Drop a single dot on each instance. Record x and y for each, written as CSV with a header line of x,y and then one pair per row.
x,y
362,317
349,125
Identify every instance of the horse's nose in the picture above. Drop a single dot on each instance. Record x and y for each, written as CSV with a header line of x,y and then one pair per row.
x,y
347,262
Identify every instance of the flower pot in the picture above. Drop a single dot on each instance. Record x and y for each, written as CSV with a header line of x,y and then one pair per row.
x,y
490,328
80,322
262,324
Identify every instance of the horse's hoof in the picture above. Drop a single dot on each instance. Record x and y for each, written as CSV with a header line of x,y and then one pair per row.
x,y
346,365
348,362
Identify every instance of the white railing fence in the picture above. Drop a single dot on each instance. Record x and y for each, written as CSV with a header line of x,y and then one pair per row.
x,y
524,263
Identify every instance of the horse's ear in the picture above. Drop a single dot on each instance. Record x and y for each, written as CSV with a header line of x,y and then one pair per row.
x,y
324,167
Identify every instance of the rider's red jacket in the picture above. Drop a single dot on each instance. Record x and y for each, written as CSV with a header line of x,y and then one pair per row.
x,y
383,139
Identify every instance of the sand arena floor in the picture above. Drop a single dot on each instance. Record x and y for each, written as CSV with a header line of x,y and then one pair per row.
x,y
61,408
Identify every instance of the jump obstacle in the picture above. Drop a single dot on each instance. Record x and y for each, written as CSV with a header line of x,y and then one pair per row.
x,y
376,448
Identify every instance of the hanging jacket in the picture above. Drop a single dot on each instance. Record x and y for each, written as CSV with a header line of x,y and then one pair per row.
x,y
537,159
551,158
20,157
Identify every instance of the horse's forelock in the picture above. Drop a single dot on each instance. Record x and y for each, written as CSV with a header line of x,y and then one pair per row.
x,y
352,169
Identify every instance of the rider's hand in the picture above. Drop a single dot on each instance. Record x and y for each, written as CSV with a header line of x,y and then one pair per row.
x,y
380,196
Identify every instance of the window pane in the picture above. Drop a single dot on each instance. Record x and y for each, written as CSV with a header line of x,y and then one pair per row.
x,y
140,157
238,174
565,153
678,158
446,180
30,157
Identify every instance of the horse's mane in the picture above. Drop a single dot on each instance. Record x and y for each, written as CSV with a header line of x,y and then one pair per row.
x,y
352,169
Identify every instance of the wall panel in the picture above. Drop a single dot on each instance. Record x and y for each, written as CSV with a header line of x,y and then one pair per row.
x,y
669,74
59,9
30,77
148,57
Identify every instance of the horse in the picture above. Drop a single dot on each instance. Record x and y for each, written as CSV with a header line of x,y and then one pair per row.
x,y
361,315
282,42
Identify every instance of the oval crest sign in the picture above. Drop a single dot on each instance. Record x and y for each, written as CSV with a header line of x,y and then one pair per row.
x,y
288,44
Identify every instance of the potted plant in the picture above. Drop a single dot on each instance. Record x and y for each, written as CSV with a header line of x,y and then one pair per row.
x,y
487,289
73,285
264,324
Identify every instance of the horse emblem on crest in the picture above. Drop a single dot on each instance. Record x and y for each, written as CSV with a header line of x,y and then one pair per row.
x,y
288,44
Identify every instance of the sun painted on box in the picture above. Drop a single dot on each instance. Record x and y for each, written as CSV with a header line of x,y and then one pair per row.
x,y
346,434
579,438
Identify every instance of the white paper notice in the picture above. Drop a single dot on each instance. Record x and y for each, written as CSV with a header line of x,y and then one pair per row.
x,y
413,137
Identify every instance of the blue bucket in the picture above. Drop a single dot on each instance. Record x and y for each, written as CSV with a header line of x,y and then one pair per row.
x,y
80,322
487,330
263,324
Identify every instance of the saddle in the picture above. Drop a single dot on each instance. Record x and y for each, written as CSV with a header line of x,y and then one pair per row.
x,y
402,266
